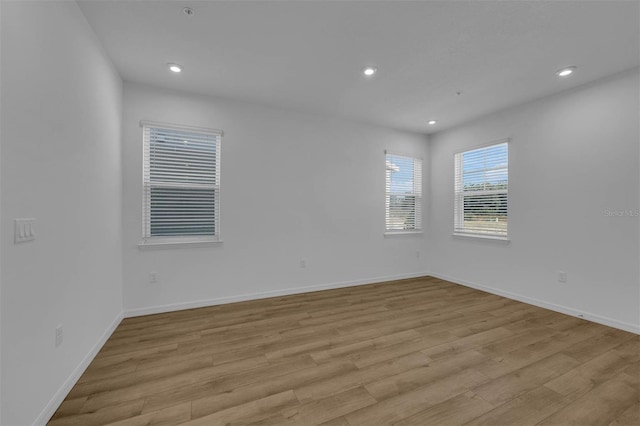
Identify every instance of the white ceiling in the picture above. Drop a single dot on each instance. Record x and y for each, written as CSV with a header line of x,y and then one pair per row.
x,y
308,55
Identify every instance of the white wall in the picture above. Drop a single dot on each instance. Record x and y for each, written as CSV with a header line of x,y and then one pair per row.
x,y
572,157
62,164
61,129
294,186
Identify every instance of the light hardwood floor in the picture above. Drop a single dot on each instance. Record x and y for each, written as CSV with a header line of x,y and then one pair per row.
x,y
412,352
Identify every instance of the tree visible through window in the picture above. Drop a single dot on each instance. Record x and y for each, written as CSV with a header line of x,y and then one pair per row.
x,y
181,182
403,193
481,191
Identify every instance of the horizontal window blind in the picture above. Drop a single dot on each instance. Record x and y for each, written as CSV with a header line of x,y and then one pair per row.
x,y
181,179
481,191
403,202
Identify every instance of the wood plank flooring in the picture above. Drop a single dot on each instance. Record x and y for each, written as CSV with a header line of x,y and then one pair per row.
x,y
411,352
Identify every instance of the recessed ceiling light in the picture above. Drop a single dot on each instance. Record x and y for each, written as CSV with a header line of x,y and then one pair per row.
x,y
175,67
432,122
565,72
188,11
369,71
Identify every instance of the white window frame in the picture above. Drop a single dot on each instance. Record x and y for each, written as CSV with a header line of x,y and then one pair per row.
x,y
417,194
459,194
149,241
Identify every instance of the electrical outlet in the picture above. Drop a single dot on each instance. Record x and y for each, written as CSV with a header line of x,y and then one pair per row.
x,y
303,263
24,230
562,277
153,277
59,335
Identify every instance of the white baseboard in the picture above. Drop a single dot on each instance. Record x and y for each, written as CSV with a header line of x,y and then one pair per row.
x,y
62,392
263,295
633,328
50,409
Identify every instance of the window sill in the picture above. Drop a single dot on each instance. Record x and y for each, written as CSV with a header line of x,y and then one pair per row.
x,y
168,244
392,234
495,238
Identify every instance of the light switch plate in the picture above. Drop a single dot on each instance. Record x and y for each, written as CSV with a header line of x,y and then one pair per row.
x,y
25,230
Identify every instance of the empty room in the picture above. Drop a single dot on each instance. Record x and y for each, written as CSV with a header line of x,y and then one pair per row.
x,y
349,213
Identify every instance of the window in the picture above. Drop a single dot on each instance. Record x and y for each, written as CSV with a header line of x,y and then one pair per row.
x,y
481,191
403,194
181,180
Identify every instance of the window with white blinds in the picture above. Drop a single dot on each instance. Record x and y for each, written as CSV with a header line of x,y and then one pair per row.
x,y
181,179
403,201
481,191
